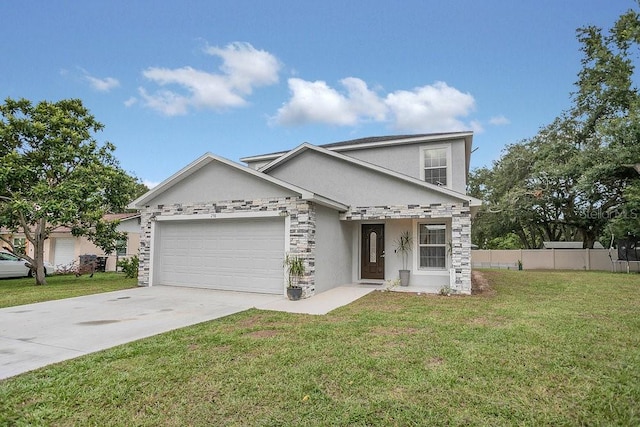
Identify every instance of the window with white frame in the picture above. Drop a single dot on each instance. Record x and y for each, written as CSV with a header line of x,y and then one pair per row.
x,y
20,245
435,166
121,247
432,244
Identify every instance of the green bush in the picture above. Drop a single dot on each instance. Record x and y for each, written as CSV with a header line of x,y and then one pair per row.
x,y
129,266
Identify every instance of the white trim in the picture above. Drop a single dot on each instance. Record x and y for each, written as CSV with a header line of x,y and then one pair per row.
x,y
287,250
152,253
203,161
374,144
447,147
212,216
306,146
416,247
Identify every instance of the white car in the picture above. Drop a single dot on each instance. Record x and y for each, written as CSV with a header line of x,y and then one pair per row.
x,y
14,266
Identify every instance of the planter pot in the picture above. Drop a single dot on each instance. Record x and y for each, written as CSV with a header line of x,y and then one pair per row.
x,y
294,294
404,277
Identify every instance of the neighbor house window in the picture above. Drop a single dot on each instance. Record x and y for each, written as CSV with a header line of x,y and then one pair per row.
x,y
121,247
435,166
20,245
432,246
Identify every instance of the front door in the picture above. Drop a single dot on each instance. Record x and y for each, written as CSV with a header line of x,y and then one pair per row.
x,y
372,259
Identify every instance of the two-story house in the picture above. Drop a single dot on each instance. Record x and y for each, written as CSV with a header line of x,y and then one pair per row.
x,y
341,207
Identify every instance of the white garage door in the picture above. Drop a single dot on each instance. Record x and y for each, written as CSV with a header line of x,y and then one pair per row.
x,y
64,251
230,254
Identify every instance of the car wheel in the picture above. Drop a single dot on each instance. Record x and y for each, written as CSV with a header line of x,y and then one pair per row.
x,y
30,273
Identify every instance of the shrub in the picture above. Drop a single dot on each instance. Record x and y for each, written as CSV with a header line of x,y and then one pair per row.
x,y
129,266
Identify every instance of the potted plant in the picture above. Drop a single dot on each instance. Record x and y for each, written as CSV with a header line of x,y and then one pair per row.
x,y
404,245
295,270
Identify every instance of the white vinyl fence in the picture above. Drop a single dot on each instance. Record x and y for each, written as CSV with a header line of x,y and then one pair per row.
x,y
550,259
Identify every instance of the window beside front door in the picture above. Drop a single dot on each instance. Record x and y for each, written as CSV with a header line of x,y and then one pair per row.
x,y
435,166
432,244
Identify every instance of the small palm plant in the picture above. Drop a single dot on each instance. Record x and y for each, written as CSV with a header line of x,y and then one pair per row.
x,y
295,268
404,245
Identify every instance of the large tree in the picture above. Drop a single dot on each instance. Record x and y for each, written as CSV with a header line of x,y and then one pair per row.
x,y
54,173
579,175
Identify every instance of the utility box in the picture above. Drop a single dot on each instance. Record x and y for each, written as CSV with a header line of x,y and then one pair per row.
x,y
88,264
101,264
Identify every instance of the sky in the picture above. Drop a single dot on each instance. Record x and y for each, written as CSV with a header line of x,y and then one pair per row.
x,y
172,80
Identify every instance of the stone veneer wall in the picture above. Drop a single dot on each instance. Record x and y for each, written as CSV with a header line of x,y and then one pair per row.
x,y
302,216
460,215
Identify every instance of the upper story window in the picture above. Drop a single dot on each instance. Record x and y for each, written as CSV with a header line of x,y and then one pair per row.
x,y
435,166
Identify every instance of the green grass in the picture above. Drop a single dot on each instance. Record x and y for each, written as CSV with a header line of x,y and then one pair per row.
x,y
24,291
547,348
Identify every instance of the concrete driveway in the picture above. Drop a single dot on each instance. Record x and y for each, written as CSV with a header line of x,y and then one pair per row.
x,y
36,335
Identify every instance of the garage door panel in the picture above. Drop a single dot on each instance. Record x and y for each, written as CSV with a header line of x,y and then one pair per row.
x,y
242,255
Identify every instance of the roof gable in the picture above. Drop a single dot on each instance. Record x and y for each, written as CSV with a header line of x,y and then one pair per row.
x,y
356,163
214,178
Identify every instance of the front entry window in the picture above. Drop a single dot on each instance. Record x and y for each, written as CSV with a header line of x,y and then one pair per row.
x,y
433,246
373,242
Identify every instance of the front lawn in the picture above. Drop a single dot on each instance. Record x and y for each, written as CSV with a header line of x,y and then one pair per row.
x,y
546,348
24,291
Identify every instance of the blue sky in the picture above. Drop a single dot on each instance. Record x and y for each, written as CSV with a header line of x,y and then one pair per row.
x,y
171,80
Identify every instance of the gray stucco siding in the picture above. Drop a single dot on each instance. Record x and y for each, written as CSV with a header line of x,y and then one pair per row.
x,y
352,184
216,181
406,159
333,250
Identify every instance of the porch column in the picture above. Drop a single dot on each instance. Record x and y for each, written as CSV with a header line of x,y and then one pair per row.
x,y
461,252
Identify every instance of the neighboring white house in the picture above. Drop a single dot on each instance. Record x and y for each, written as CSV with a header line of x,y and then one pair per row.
x,y
63,250
222,225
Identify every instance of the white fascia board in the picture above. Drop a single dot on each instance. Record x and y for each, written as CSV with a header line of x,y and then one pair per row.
x,y
204,160
226,215
401,141
371,166
173,179
288,155
261,157
324,201
398,141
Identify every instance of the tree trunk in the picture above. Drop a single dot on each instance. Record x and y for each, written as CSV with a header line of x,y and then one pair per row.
x,y
38,253
588,239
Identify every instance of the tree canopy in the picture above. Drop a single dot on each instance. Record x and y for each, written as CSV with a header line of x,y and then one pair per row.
x,y
579,177
54,173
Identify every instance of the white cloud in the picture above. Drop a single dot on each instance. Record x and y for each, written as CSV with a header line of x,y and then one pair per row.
x,y
131,101
476,126
150,184
431,108
166,102
243,69
246,67
102,85
316,102
499,120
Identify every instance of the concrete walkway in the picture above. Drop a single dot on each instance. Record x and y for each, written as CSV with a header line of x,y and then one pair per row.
x,y
36,335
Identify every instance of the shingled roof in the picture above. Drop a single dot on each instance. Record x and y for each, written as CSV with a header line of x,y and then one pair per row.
x,y
361,141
